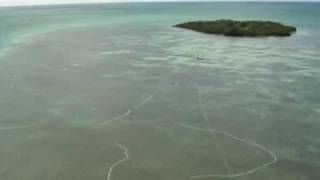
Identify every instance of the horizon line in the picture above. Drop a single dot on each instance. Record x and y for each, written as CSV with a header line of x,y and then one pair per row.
x,y
160,1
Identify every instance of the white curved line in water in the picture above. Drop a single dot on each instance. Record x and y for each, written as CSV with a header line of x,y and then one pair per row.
x,y
147,99
233,175
213,131
114,165
115,119
213,135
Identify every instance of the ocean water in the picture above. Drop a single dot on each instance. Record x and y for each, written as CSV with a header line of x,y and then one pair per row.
x,y
115,92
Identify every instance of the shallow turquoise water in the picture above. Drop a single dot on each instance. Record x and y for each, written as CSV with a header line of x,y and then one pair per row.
x,y
113,91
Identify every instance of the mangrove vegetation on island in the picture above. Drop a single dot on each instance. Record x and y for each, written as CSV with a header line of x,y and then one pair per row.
x,y
252,28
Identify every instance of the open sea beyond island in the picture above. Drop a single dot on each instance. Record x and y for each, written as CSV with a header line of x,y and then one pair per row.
x,y
116,92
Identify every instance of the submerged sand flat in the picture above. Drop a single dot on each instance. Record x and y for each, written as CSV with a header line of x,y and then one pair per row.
x,y
72,112
132,101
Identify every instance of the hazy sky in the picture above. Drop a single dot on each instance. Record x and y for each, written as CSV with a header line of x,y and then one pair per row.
x,y
35,2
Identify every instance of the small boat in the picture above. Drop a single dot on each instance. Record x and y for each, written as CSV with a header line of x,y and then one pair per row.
x,y
199,58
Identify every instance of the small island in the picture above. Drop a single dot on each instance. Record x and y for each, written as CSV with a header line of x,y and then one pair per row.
x,y
239,28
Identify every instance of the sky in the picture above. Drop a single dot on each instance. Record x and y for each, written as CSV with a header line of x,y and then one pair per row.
x,y
40,2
